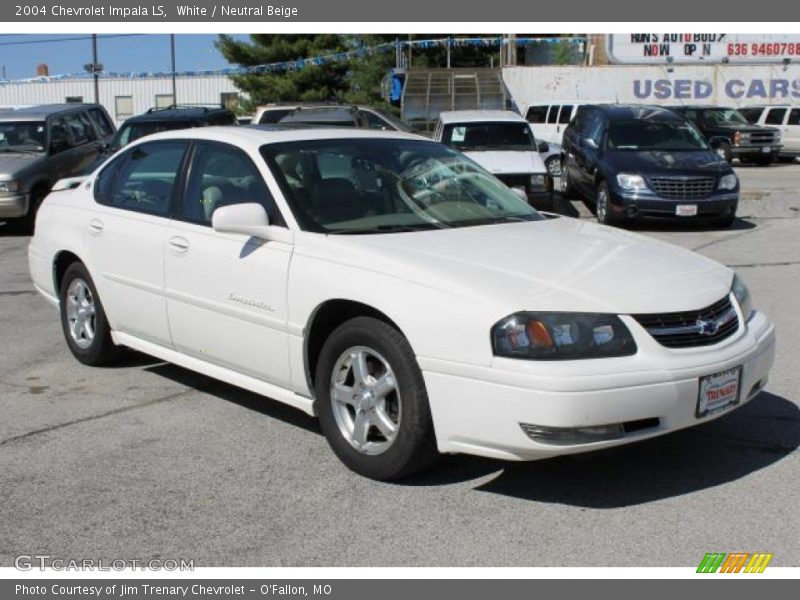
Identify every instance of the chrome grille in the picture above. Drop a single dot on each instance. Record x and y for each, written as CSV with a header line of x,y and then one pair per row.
x,y
692,328
682,188
761,137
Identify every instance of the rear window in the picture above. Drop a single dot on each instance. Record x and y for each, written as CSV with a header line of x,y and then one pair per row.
x,y
273,116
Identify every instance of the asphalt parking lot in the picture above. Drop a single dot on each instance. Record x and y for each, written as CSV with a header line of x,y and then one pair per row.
x,y
149,460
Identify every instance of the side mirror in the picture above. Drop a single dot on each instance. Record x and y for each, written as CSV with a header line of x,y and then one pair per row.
x,y
589,143
248,219
521,193
543,147
57,145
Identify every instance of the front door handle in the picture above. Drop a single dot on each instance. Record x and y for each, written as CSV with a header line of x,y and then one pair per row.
x,y
95,226
178,244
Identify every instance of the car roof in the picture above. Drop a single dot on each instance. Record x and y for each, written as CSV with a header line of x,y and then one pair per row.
x,y
618,112
41,111
475,116
177,113
257,136
703,107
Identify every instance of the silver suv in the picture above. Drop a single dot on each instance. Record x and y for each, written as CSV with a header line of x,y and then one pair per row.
x,y
40,145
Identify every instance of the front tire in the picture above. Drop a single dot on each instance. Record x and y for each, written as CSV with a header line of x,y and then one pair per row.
x,y
372,403
602,207
83,319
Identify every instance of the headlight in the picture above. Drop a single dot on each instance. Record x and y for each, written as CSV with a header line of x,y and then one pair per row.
x,y
537,180
9,186
561,336
628,181
742,295
728,182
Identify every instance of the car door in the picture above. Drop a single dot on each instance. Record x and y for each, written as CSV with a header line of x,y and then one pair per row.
x,y
564,117
85,144
126,237
586,134
791,133
226,293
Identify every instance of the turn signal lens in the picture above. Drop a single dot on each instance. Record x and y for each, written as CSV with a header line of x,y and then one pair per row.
x,y
538,335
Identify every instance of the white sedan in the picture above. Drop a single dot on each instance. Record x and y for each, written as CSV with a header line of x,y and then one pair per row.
x,y
397,291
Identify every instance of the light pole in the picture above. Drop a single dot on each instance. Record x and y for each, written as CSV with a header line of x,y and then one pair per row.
x,y
172,61
95,68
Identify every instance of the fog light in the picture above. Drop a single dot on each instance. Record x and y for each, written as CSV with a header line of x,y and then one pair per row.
x,y
568,436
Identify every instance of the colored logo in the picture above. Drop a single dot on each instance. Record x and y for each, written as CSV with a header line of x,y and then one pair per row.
x,y
735,562
707,327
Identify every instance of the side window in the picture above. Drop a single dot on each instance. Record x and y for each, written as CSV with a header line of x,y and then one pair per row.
x,y
565,115
223,119
552,116
59,136
595,126
143,179
751,114
222,175
794,117
536,114
775,116
80,131
101,122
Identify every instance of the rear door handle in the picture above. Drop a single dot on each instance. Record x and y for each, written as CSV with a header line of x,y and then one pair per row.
x,y
95,226
178,244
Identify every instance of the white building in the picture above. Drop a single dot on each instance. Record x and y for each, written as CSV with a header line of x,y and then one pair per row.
x,y
123,97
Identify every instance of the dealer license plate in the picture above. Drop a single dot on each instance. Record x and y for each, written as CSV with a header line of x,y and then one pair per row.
x,y
686,210
718,391
766,149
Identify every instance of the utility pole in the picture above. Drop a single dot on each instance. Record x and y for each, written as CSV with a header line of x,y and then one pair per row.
x,y
172,60
95,68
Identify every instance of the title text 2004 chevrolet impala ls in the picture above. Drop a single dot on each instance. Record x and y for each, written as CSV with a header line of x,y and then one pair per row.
x,y
392,287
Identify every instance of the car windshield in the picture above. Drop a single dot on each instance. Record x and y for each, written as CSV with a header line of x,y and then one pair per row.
x,y
640,135
724,116
365,185
130,132
22,135
506,135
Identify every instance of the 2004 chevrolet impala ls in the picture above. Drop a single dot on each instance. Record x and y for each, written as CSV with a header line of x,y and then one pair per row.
x,y
395,289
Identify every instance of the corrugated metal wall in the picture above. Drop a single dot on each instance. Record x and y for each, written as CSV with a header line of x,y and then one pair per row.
x,y
143,92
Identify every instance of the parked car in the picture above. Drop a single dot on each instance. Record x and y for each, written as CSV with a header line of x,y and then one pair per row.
x,y
367,117
169,118
549,119
40,145
501,142
633,160
390,286
786,118
747,142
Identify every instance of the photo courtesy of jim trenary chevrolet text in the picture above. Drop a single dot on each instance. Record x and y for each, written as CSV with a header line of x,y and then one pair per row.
x,y
360,299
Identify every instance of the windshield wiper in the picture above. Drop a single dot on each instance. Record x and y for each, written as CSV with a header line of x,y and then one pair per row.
x,y
385,228
21,150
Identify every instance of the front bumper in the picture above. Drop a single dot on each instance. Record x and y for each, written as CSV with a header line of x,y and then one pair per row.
x,y
12,206
756,150
650,205
480,410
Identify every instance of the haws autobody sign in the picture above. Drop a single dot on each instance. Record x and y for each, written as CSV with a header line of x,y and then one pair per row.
x,y
683,48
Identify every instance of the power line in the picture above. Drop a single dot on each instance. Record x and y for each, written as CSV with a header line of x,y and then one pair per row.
x,y
68,39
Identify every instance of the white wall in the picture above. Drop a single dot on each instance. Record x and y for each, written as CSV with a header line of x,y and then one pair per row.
x,y
732,85
190,90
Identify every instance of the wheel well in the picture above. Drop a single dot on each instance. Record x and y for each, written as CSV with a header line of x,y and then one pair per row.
x,y
63,260
327,317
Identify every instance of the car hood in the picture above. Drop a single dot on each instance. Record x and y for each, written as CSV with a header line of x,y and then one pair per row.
x,y
704,161
499,162
555,264
12,162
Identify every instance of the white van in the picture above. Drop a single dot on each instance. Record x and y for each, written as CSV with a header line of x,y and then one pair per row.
x,y
783,116
549,119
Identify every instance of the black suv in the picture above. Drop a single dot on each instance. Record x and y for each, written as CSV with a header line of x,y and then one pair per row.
x,y
632,161
743,140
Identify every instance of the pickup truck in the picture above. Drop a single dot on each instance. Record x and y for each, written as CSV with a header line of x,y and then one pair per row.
x,y
503,143
745,141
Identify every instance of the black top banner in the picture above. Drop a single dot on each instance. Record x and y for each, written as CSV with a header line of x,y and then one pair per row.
x,y
441,11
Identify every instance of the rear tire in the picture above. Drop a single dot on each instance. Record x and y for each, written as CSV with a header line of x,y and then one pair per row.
x,y
83,319
372,403
566,187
